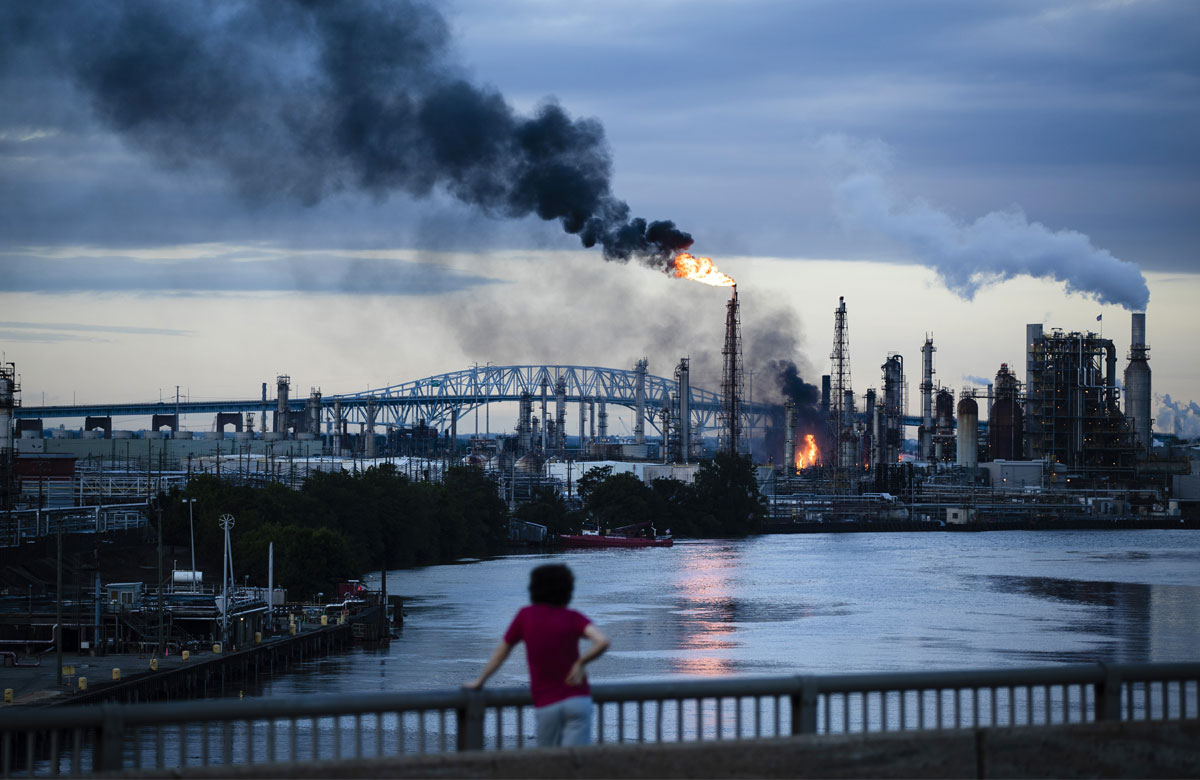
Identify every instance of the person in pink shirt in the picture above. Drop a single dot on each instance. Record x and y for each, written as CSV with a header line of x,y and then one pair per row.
x,y
551,635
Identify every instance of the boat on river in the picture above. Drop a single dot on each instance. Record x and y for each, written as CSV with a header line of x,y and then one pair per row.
x,y
636,535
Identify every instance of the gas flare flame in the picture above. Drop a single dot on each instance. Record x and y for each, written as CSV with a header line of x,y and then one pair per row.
x,y
807,456
701,269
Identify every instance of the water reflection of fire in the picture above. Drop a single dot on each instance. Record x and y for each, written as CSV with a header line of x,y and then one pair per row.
x,y
807,455
709,615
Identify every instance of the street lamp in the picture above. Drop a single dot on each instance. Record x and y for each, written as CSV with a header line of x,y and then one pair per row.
x,y
192,533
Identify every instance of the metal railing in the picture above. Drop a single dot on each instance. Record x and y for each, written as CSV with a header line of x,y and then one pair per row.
x,y
82,740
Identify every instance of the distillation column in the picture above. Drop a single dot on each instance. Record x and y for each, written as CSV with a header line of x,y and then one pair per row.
x,y
369,446
560,414
282,385
789,447
543,418
337,427
925,435
639,401
314,411
683,375
893,406
525,423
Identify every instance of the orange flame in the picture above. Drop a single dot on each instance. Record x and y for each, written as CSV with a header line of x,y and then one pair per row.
x,y
808,456
701,269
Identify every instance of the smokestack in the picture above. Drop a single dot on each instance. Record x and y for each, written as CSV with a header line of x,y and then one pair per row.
x,y
603,421
1137,385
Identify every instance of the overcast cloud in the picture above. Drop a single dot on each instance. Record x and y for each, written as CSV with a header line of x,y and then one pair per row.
x,y
1085,115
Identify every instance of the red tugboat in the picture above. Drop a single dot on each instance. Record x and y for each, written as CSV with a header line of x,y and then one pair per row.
x,y
636,535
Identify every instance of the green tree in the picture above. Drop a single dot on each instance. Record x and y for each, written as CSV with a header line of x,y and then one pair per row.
x,y
621,500
589,480
549,509
727,490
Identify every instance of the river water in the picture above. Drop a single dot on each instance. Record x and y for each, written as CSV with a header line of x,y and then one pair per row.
x,y
808,603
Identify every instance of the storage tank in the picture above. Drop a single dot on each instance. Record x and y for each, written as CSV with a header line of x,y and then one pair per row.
x,y
968,432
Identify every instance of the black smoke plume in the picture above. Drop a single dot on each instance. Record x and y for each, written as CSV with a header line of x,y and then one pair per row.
x,y
301,99
806,397
807,400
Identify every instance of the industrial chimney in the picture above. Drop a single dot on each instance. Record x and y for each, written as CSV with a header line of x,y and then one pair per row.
x,y
1137,385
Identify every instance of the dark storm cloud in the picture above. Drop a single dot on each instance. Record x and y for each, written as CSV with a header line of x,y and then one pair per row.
x,y
301,100
318,273
1085,114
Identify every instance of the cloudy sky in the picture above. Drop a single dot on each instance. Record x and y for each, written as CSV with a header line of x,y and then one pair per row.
x,y
210,194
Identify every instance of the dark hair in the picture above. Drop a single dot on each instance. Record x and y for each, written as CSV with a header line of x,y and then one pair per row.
x,y
551,584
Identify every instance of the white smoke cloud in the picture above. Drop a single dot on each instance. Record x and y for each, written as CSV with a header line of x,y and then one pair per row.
x,y
1181,418
968,256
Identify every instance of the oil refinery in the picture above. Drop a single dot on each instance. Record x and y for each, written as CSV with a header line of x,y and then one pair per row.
x,y
1066,442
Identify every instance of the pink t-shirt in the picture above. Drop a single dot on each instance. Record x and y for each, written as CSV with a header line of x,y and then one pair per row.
x,y
551,636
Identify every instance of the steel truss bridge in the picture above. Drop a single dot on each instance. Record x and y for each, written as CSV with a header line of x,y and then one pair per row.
x,y
434,399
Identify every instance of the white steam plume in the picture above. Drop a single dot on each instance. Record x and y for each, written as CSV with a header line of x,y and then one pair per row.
x,y
1181,418
968,256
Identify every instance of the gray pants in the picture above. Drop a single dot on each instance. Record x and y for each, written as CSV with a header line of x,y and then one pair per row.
x,y
566,722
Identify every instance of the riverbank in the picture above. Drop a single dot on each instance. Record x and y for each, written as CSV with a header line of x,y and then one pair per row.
x,y
1097,523
202,674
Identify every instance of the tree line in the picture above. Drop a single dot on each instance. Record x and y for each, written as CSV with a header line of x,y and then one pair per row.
x,y
340,524
723,501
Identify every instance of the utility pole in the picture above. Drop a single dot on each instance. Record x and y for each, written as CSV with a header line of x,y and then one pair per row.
x,y
226,523
162,642
58,606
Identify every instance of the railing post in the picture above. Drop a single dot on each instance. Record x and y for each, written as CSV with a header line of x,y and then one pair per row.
x,y
804,706
1107,704
470,721
108,741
